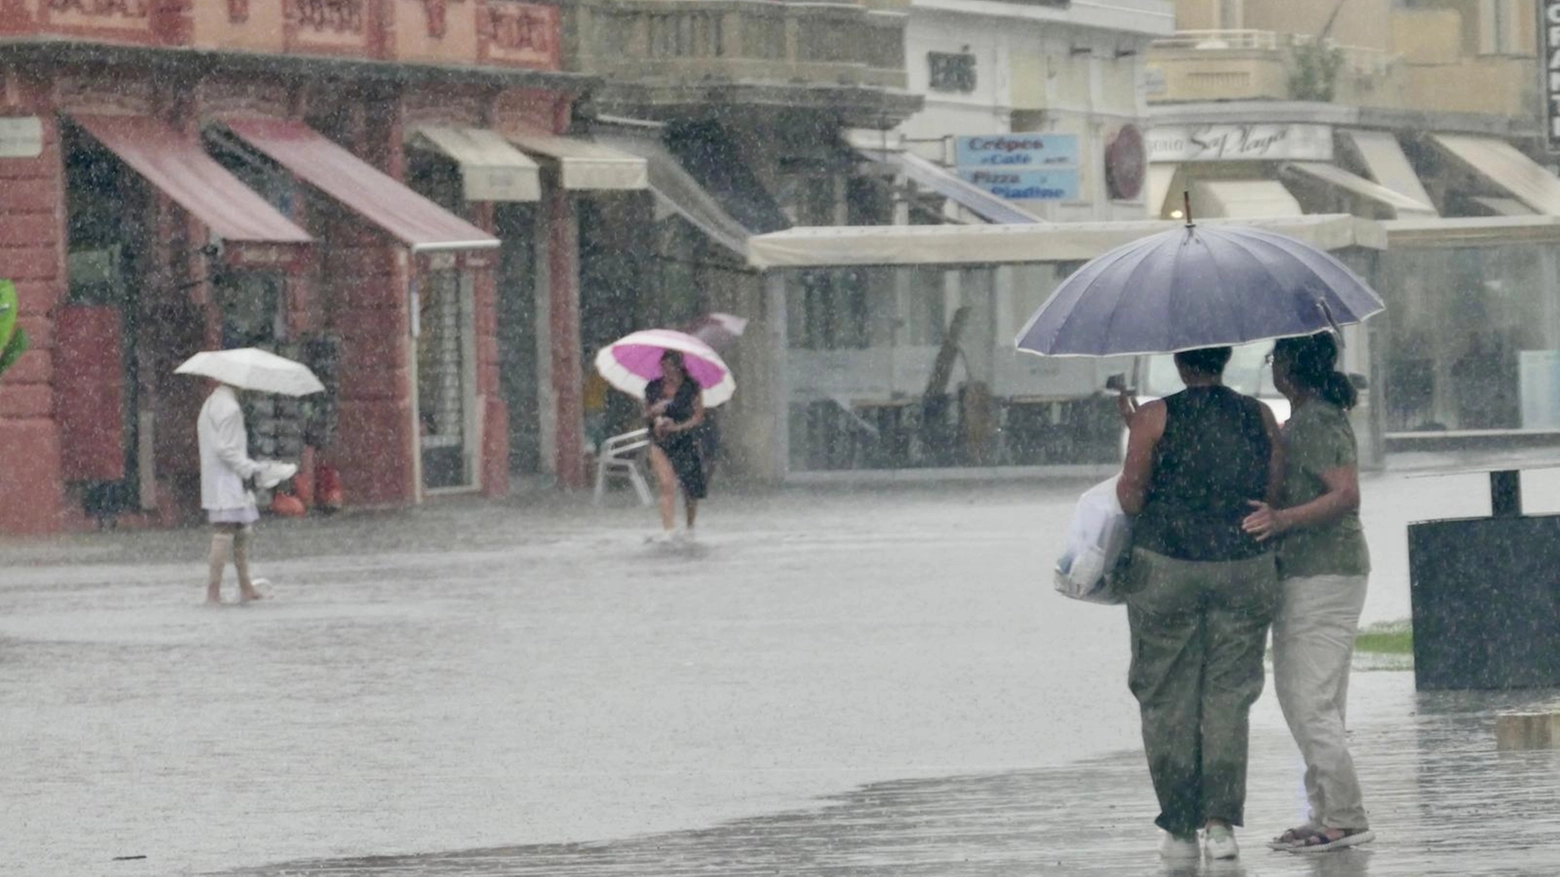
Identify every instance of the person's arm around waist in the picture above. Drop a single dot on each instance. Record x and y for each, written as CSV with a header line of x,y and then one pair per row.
x,y
1276,457
1341,498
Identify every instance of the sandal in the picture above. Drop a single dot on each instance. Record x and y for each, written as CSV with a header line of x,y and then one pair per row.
x,y
1321,843
1294,837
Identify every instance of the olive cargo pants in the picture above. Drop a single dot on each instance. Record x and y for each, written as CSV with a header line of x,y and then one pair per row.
x,y
1199,630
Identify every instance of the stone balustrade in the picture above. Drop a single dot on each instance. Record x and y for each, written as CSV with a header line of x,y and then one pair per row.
x,y
749,42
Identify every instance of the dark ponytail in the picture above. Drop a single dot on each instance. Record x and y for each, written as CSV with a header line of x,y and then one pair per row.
x,y
1312,362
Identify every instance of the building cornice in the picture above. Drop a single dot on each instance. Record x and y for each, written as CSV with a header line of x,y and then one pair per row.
x,y
1303,112
859,106
1146,18
38,50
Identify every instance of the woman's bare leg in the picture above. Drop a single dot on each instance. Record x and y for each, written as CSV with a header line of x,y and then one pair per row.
x,y
666,478
693,511
246,585
217,558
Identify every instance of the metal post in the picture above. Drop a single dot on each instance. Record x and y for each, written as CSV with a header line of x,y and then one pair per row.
x,y
1506,494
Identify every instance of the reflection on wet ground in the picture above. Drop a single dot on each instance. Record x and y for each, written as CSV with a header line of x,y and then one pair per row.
x,y
1442,801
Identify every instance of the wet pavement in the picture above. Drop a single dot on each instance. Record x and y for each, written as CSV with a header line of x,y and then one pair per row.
x,y
835,682
1442,802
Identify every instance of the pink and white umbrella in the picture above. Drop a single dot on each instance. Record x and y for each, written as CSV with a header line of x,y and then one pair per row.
x,y
633,361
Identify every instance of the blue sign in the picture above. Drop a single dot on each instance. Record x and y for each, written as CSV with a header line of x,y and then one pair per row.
x,y
1017,151
1018,184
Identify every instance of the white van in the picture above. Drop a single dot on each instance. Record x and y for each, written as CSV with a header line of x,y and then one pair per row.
x,y
1155,377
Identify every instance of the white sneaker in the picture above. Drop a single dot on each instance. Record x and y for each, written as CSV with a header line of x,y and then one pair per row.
x,y
1172,848
1220,840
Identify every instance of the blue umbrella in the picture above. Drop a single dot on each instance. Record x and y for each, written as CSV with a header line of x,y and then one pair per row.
x,y
1197,287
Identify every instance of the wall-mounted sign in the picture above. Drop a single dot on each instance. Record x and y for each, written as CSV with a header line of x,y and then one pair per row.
x,y
1241,143
1154,81
950,72
1549,36
1017,151
21,137
1021,167
1019,184
521,34
1126,163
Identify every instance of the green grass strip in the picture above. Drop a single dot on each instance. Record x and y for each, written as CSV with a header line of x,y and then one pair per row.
x,y
1386,638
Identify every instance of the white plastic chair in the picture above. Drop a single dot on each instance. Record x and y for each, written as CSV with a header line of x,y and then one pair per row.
x,y
620,456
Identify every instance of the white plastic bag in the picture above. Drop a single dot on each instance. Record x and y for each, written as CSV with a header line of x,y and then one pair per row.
x,y
1097,543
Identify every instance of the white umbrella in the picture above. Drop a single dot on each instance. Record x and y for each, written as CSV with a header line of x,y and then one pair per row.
x,y
250,368
718,330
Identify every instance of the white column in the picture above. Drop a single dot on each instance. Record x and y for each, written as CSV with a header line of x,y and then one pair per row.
x,y
779,342
546,393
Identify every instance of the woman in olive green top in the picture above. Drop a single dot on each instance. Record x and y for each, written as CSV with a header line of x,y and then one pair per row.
x,y
1323,564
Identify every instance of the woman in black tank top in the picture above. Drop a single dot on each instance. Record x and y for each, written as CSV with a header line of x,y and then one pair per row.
x,y
1201,593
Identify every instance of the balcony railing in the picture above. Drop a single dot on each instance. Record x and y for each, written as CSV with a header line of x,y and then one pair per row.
x,y
1259,64
771,43
1255,40
1360,59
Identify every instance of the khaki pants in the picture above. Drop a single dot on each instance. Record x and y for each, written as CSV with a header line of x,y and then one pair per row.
x,y
1198,635
1313,646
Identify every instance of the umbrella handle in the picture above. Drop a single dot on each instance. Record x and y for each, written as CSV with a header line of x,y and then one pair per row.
x,y
1332,323
1186,197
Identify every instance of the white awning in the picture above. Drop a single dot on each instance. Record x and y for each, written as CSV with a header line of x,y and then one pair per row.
x,y
1333,175
490,168
1242,199
1161,177
1388,166
675,189
936,178
1506,167
1473,231
583,165
817,247
1505,206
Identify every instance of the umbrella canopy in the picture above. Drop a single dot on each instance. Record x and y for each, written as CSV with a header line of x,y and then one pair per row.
x,y
1197,287
9,308
718,330
632,362
250,368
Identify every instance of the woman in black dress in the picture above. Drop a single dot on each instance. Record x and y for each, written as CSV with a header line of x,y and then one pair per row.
x,y
674,409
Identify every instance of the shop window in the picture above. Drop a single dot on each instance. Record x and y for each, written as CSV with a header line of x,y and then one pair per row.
x,y
106,207
944,388
251,305
445,378
517,332
1460,320
833,310
1500,29
1230,14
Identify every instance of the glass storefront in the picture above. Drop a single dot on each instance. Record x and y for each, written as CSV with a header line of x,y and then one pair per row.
x,y
445,380
1472,335
902,368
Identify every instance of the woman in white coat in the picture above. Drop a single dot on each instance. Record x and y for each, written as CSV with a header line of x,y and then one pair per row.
x,y
230,506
